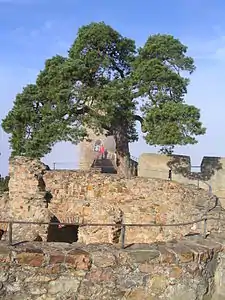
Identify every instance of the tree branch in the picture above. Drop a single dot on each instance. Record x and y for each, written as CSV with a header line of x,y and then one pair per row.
x,y
118,69
141,120
87,109
138,118
84,110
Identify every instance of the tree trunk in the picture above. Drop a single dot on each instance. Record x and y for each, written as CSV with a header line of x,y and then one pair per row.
x,y
122,153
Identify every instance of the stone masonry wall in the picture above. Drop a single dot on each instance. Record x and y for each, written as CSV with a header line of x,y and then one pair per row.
x,y
96,198
191,269
212,171
90,197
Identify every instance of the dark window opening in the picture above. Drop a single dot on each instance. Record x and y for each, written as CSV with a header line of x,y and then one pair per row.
x,y
66,234
1,233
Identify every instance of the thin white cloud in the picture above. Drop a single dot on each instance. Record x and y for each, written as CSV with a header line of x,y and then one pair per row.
x,y
43,30
41,41
25,33
212,48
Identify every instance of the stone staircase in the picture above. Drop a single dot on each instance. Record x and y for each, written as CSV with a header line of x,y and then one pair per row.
x,y
105,165
108,165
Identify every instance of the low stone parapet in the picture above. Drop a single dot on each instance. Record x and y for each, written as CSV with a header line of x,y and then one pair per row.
x,y
185,269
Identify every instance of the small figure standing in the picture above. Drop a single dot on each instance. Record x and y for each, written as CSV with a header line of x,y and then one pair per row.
x,y
170,175
102,151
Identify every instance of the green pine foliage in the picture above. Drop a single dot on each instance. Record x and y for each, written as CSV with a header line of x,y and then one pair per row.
x,y
4,181
101,84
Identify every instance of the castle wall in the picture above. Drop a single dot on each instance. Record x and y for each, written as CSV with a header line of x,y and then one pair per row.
x,y
91,197
212,171
156,262
157,166
97,198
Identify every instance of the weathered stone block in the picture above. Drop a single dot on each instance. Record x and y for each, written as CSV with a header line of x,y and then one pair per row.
x,y
5,253
57,258
183,254
79,259
30,259
100,275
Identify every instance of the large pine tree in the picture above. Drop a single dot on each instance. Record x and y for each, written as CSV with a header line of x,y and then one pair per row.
x,y
101,84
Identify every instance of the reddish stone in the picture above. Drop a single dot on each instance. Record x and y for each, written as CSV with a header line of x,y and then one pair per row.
x,y
78,259
99,275
31,259
57,258
4,259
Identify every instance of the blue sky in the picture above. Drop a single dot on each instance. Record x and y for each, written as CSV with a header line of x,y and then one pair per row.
x,y
33,30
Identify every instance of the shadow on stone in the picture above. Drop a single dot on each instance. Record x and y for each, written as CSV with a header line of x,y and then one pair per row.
x,y
180,164
209,166
48,197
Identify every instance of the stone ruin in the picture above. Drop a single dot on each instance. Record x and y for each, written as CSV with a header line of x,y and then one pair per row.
x,y
37,193
169,263
210,174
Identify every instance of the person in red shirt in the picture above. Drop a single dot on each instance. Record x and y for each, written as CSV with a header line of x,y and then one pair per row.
x,y
102,151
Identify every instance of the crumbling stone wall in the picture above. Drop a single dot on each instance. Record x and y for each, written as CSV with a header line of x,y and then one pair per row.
x,y
190,269
27,200
91,197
